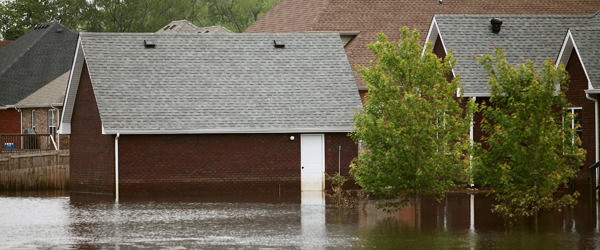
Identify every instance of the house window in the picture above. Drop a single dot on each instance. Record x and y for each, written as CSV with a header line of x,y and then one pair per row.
x,y
52,123
577,113
33,120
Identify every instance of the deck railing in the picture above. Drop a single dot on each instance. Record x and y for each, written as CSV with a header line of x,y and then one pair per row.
x,y
21,143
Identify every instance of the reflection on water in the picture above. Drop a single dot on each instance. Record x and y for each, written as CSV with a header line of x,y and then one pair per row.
x,y
295,221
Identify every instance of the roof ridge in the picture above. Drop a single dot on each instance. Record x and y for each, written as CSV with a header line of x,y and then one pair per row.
x,y
517,15
45,32
320,14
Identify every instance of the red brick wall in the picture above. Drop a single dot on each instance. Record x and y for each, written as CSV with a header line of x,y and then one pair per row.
x,y
92,154
576,96
234,163
10,121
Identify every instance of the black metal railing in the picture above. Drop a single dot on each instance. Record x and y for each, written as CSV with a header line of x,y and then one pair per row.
x,y
19,143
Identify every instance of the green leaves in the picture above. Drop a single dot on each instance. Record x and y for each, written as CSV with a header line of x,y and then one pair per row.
x,y
19,16
412,130
529,150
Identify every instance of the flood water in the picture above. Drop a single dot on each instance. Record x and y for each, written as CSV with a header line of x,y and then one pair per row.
x,y
55,220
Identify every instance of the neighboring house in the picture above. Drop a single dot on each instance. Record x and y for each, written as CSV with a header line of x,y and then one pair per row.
x,y
164,113
363,19
33,78
568,39
184,26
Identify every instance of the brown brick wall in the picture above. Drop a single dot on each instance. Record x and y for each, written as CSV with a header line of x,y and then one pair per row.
x,y
233,163
578,83
92,154
10,121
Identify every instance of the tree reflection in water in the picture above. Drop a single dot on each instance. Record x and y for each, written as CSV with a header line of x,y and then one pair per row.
x,y
290,221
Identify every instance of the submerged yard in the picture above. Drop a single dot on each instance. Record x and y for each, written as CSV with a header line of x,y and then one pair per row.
x,y
34,220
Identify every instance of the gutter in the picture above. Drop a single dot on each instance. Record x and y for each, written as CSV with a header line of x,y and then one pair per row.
x,y
230,131
587,95
117,167
43,105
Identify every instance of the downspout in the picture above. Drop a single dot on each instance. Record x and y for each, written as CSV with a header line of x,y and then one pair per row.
x,y
595,131
472,136
117,167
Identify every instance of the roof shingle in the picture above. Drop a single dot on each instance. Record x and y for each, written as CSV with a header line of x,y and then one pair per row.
x,y
373,16
220,81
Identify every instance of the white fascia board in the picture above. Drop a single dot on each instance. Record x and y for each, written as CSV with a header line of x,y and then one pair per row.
x,y
432,35
230,131
565,53
65,128
74,78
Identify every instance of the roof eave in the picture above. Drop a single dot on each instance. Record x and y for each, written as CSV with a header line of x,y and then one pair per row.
x,y
230,131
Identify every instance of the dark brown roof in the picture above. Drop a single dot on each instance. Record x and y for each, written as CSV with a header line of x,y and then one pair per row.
x,y
4,43
372,16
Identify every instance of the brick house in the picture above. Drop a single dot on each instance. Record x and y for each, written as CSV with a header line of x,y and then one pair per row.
x,y
33,78
165,113
359,21
536,37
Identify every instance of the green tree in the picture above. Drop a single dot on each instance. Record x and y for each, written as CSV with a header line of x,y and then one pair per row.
x,y
19,16
530,148
237,15
412,131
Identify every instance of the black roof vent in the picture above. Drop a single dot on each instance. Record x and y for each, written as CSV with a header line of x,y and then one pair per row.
x,y
58,30
166,27
496,24
149,43
172,27
279,44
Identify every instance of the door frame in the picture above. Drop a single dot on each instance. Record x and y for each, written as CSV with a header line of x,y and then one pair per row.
x,y
322,158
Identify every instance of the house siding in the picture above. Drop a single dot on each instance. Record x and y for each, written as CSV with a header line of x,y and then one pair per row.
x,y
10,121
578,83
220,163
92,153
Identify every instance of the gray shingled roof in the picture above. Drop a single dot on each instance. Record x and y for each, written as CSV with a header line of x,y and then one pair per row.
x,y
184,26
34,60
536,37
588,45
220,81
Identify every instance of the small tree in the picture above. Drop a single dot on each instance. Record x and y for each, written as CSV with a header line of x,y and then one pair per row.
x,y
530,148
412,130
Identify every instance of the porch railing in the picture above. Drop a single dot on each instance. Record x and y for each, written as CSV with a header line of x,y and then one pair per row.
x,y
21,143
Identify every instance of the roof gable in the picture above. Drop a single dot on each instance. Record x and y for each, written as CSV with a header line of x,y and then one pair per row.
x,y
535,37
34,60
216,83
373,16
588,49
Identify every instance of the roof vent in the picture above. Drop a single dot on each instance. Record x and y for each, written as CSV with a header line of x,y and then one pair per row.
x,y
166,27
149,43
279,44
496,24
58,30
172,27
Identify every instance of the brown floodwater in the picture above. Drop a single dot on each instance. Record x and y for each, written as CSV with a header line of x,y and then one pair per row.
x,y
56,220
